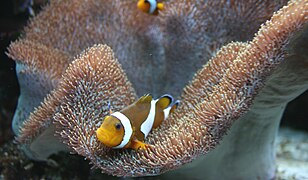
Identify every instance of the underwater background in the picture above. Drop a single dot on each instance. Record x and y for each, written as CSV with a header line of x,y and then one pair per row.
x,y
14,15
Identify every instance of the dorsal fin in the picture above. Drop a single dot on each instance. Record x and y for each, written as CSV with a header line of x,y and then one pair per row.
x,y
147,98
174,106
164,101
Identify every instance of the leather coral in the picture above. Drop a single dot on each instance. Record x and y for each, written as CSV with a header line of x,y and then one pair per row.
x,y
157,55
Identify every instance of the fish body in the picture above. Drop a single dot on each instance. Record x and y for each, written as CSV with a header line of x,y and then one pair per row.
x,y
150,6
129,127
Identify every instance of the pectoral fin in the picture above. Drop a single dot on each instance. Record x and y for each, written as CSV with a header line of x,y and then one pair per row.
x,y
137,145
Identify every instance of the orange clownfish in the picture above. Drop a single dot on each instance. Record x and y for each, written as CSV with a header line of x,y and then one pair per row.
x,y
150,6
129,127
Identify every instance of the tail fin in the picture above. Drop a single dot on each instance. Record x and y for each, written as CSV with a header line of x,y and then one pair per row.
x,y
160,6
174,106
164,101
168,104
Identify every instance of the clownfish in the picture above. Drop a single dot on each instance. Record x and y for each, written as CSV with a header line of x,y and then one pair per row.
x,y
129,127
150,6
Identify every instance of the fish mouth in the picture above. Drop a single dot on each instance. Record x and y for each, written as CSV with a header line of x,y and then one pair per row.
x,y
102,136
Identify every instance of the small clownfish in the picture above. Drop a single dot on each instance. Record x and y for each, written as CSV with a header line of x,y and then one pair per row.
x,y
129,127
150,6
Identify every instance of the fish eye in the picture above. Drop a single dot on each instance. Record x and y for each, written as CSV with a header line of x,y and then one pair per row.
x,y
118,126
